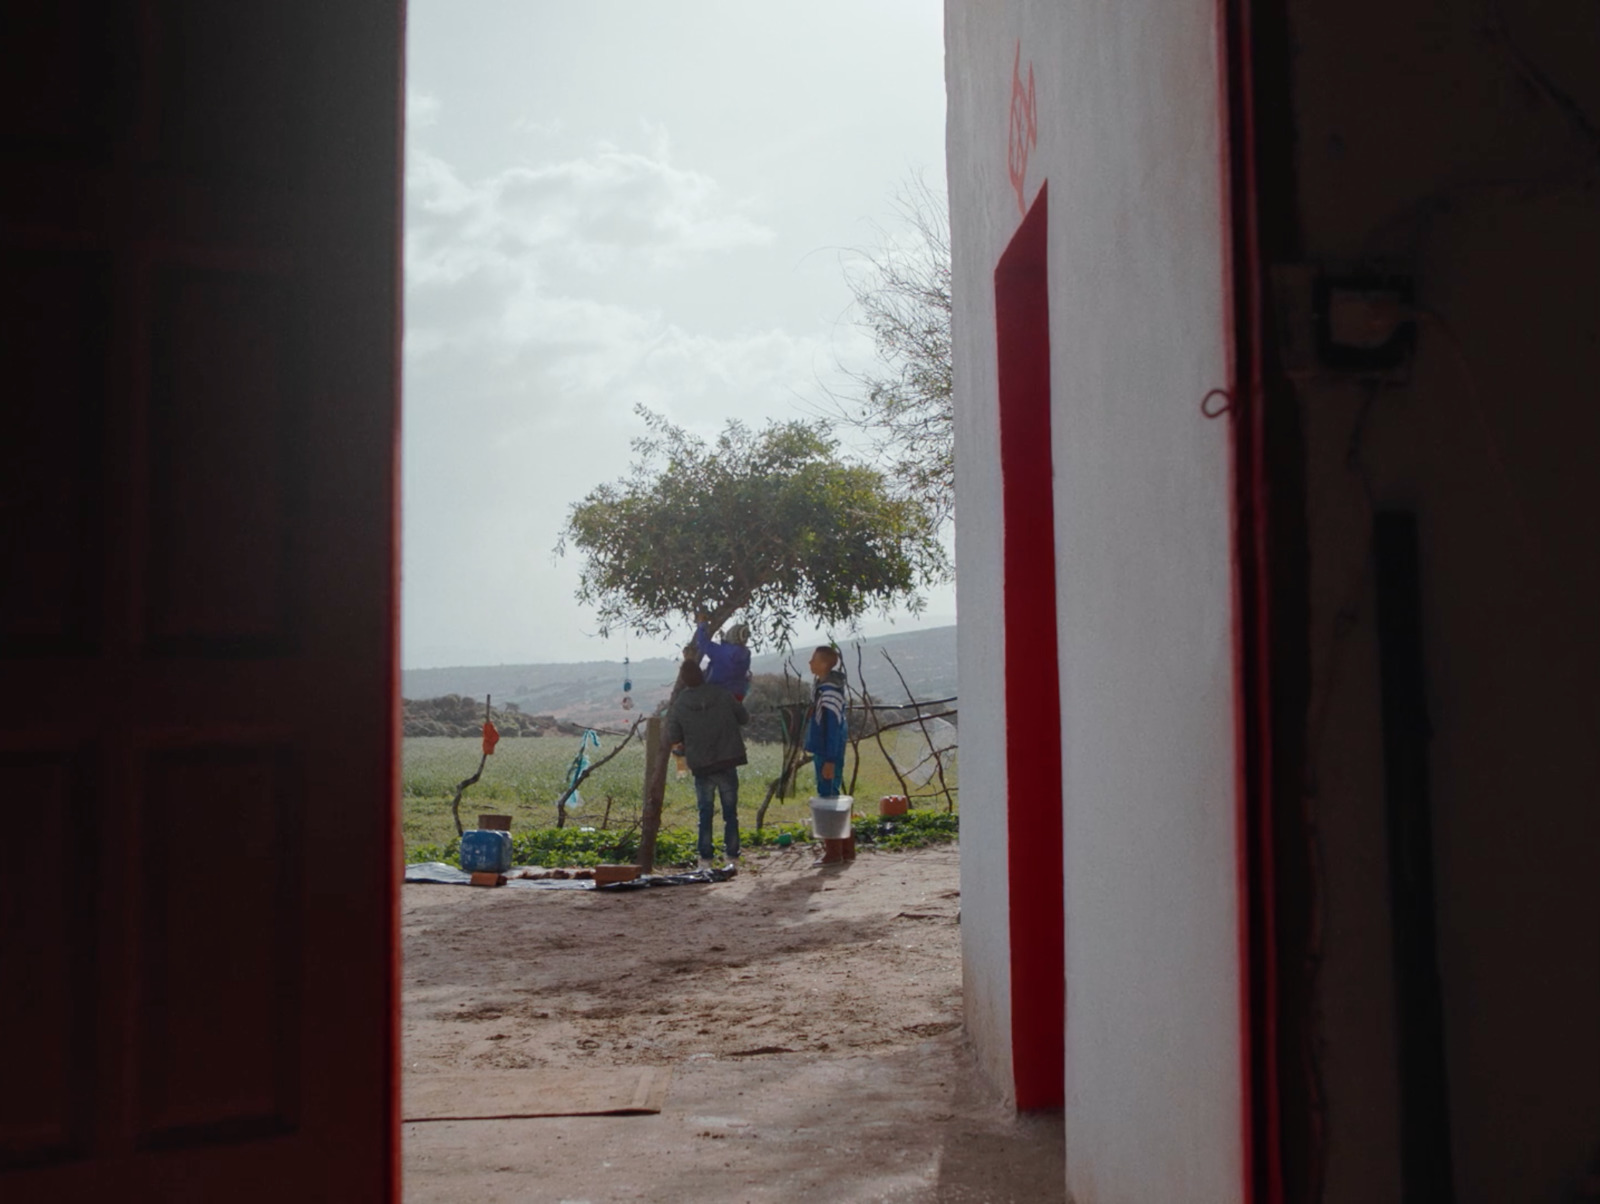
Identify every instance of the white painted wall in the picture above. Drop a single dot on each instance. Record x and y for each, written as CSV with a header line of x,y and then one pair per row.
x,y
975,96
1129,130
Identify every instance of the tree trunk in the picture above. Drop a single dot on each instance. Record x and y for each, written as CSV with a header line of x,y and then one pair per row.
x,y
655,789
726,610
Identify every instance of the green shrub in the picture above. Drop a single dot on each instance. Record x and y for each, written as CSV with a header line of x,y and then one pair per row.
x,y
573,847
768,836
909,831
587,846
449,853
525,777
676,846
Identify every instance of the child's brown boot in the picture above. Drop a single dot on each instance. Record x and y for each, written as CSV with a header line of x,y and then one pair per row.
x,y
832,852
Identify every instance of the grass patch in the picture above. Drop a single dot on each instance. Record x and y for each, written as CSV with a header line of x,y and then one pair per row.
x,y
525,776
590,846
912,830
574,847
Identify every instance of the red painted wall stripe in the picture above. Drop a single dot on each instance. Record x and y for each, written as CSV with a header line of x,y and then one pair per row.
x,y
1033,711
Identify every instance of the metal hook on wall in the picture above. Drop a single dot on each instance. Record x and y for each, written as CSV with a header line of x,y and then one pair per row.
x,y
1215,411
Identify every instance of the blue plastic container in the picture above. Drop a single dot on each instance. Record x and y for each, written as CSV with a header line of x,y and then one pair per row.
x,y
485,852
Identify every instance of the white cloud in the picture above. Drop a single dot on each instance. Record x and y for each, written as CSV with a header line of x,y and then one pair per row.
x,y
512,268
551,229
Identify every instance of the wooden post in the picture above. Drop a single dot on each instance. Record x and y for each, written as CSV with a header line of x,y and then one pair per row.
x,y
455,803
655,790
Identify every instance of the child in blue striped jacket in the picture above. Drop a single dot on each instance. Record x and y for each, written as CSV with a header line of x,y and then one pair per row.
x,y
826,735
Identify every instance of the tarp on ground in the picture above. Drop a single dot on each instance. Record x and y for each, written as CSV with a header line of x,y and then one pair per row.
x,y
443,874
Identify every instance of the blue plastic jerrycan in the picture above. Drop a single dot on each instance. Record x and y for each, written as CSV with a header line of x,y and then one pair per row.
x,y
485,852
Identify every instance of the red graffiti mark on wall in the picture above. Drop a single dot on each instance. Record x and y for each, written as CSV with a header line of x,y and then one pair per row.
x,y
1024,135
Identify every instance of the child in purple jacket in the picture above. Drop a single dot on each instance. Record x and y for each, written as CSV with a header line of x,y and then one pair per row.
x,y
729,665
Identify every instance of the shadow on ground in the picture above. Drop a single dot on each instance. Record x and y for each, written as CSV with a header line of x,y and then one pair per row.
x,y
810,1019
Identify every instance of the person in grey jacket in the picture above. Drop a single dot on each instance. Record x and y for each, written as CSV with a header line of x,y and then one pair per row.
x,y
705,720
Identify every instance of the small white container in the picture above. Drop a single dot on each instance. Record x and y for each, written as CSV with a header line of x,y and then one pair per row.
x,y
830,817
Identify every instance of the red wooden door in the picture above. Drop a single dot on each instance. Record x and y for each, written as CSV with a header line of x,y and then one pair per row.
x,y
199,227
1033,694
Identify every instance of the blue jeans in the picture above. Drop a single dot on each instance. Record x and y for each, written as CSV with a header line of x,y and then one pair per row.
x,y
828,787
726,783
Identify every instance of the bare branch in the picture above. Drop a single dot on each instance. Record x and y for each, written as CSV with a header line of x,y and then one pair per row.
x,y
561,803
795,757
877,728
938,761
903,300
455,803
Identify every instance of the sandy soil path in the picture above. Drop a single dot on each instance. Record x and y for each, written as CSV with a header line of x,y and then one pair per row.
x,y
811,1019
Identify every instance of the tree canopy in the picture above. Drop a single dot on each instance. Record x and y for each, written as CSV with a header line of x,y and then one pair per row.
x,y
772,523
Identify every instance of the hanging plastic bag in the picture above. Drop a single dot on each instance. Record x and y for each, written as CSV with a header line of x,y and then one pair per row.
x,y
580,765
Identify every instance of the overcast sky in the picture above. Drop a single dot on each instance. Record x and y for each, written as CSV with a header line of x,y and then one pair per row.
x,y
616,202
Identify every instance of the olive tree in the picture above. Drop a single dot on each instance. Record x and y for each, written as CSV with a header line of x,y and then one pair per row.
x,y
772,524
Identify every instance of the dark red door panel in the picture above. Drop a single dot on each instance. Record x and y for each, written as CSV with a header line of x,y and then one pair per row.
x,y
199,324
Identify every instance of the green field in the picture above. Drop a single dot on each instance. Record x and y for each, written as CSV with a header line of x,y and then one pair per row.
x,y
525,777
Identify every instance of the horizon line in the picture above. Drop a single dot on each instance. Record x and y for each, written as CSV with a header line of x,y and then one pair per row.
x,y
597,660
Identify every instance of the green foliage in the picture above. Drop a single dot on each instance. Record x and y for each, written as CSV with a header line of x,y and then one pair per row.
x,y
574,847
449,853
909,831
525,777
676,847
768,837
771,523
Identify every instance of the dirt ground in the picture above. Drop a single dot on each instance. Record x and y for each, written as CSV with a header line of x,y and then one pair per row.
x,y
811,1019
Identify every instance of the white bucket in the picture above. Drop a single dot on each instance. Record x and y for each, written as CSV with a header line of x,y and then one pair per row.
x,y
830,817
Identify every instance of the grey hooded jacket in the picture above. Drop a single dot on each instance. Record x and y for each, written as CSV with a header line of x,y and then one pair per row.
x,y
705,720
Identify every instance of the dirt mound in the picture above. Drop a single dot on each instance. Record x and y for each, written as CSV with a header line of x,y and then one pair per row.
x,y
460,715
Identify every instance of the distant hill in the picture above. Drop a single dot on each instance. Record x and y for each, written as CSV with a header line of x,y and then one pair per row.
x,y
590,692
